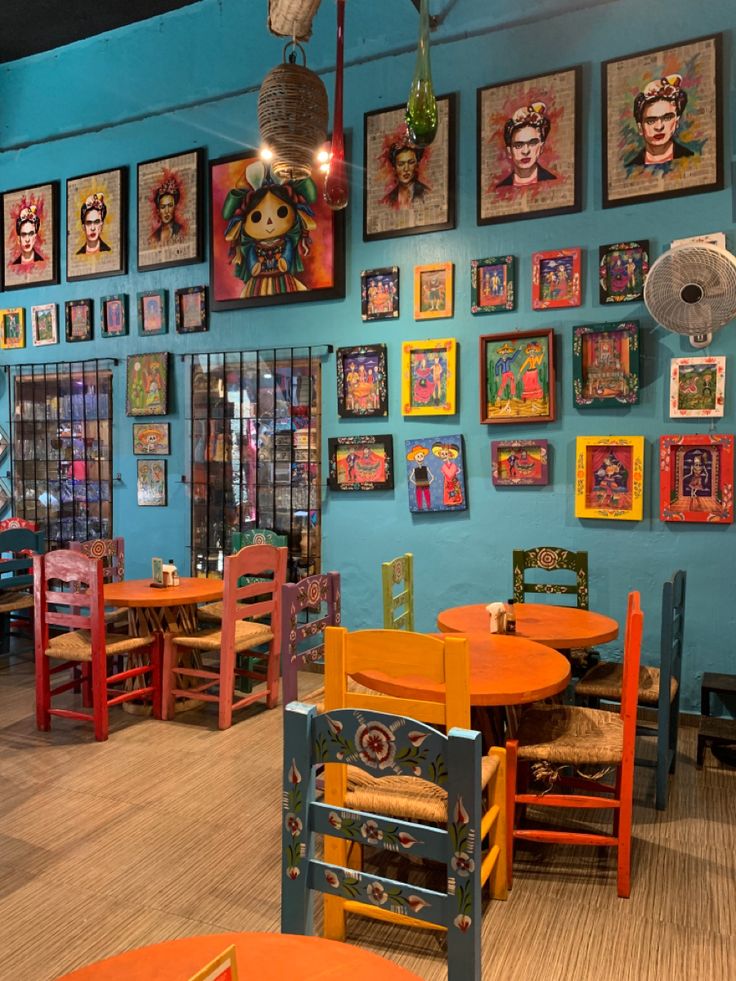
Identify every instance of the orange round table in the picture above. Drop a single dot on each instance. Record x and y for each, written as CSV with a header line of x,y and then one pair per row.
x,y
272,956
172,608
562,627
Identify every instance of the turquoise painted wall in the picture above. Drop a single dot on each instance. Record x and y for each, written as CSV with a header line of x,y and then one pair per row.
x,y
191,79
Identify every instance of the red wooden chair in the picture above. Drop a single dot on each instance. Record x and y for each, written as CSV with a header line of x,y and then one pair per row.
x,y
7,523
556,737
59,602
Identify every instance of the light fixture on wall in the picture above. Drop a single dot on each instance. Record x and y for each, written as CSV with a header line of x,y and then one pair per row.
x,y
336,179
421,107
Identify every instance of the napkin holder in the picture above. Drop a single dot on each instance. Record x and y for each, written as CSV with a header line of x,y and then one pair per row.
x,y
497,612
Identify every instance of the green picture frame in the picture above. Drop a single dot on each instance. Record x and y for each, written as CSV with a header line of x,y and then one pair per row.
x,y
153,312
492,284
114,315
605,365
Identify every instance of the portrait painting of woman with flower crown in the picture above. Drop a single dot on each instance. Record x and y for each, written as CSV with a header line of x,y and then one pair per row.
x,y
96,217
170,210
529,147
30,237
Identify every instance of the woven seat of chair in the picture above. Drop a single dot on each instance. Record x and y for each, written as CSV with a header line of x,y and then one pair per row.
x,y
605,681
210,611
247,634
15,599
317,697
570,734
118,615
76,646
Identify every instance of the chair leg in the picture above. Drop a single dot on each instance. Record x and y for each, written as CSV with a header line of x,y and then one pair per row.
x,y
272,676
512,755
156,672
4,633
167,677
100,708
498,880
227,684
624,814
43,692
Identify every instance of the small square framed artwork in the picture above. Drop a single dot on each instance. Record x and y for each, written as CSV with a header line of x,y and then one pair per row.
x,y
697,387
696,478
191,309
78,320
151,485
429,377
153,312
4,495
362,381
520,462
556,279
605,365
435,474
12,328
433,297
379,293
4,443
151,438
609,477
146,384
44,324
114,310
361,463
492,284
517,377
622,269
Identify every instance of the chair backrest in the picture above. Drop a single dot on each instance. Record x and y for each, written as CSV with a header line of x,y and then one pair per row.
x,y
630,680
7,523
259,597
302,640
551,559
257,536
17,548
68,592
673,629
397,578
384,744
110,550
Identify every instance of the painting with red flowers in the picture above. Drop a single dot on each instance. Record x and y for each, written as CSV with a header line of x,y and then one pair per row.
x,y
271,241
407,189
170,210
529,147
30,237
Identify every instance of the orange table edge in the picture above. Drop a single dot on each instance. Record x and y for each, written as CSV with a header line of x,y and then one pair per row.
x,y
562,627
140,592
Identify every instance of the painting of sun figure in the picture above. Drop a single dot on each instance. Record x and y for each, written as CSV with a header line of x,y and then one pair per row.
x,y
606,365
435,473
519,462
30,237
361,381
556,279
696,482
609,477
697,387
170,210
517,377
361,463
428,377
623,267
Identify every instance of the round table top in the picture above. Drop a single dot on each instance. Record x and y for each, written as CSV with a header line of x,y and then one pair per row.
x,y
140,592
504,670
562,627
259,955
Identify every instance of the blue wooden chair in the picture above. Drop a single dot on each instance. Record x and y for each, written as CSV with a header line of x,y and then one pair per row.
x,y
17,548
383,744
302,640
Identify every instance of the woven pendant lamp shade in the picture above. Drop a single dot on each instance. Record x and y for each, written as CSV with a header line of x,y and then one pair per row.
x,y
292,117
292,18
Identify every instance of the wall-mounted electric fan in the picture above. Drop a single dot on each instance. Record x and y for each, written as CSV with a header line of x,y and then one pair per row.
x,y
691,290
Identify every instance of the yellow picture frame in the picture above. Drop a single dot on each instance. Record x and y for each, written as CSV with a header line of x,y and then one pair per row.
x,y
609,477
433,291
429,377
223,968
12,328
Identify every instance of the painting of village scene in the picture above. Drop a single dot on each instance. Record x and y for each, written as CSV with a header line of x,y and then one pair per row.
x,y
517,377
696,478
519,463
361,463
361,381
606,365
435,473
697,387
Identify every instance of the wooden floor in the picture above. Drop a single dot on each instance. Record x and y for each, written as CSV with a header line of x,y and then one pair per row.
x,y
171,829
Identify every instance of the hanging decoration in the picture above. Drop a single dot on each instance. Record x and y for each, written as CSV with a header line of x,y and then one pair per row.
x,y
292,18
421,109
336,179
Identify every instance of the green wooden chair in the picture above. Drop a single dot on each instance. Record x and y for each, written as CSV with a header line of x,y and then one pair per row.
x,y
553,560
398,607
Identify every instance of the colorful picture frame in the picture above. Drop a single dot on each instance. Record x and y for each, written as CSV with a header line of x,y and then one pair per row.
x,y
78,320
696,478
697,387
519,462
30,241
379,293
609,477
429,377
517,377
4,443
170,210
44,324
556,279
622,270
605,365
114,315
4,495
153,312
151,438
433,291
146,384
529,147
250,272
678,89
408,190
12,328
96,223
362,381
435,474
361,463
190,306
151,483
492,284
224,967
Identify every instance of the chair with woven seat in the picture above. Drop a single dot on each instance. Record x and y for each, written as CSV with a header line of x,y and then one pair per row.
x,y
112,553
242,539
241,629
659,687
551,738
397,580
18,545
377,743
302,639
63,603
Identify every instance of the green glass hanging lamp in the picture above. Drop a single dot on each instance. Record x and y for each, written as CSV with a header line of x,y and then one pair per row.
x,y
421,109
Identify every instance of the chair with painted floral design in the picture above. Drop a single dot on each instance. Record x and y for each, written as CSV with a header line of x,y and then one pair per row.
x,y
307,608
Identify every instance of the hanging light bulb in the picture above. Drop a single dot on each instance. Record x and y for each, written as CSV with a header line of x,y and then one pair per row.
x,y
336,179
421,109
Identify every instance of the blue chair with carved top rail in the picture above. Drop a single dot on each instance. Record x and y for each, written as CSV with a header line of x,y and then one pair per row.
x,y
17,548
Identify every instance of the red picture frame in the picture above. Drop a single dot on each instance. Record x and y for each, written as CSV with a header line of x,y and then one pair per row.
x,y
556,279
696,478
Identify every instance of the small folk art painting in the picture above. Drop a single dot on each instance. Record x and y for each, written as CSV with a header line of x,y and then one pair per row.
x,y
150,438
78,320
435,472
520,462
379,293
622,269
12,325
223,968
517,377
96,221
492,284
152,483
433,295
4,495
146,384
697,387
696,478
362,381
606,365
556,279
30,237
609,477
428,377
44,324
153,312
191,309
361,463
170,210
662,126
114,315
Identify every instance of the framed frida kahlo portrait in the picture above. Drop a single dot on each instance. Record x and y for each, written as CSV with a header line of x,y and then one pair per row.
x,y
435,474
662,123
146,384
609,477
30,247
605,365
362,381
697,387
96,222
379,293
556,279
520,462
361,463
517,377
433,291
170,210
408,190
44,324
622,269
696,478
492,284
12,328
271,241
528,143
429,377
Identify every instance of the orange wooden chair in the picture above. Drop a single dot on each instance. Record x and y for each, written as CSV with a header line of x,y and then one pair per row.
x,y
555,737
